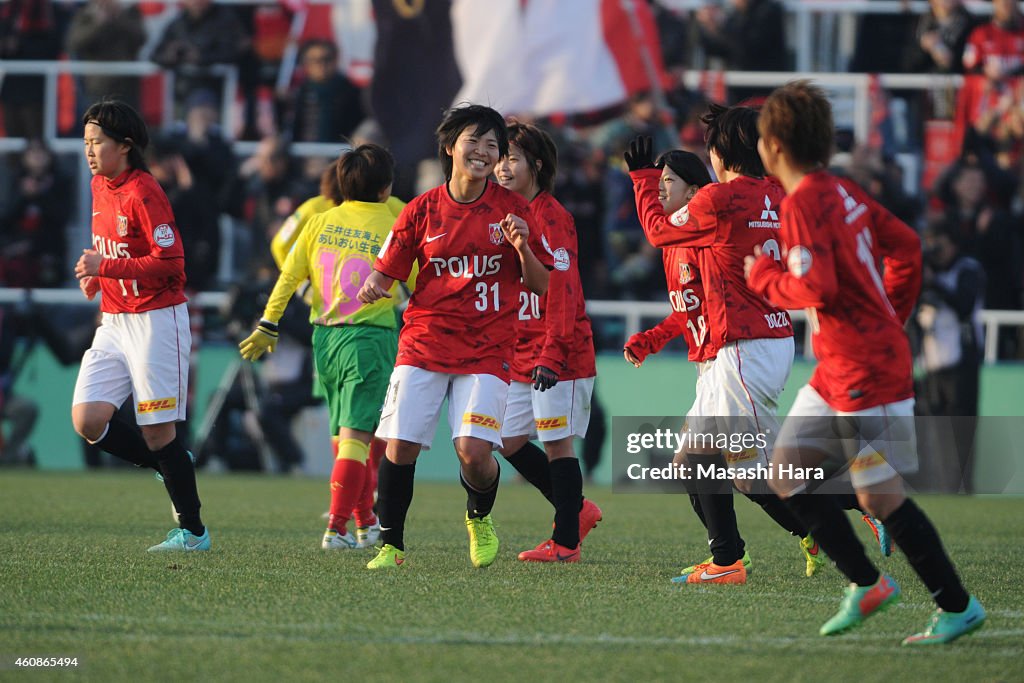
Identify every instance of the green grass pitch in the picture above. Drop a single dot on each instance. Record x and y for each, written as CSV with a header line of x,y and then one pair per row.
x,y
268,604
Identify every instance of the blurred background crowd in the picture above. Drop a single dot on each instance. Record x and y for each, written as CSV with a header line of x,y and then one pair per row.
x,y
249,101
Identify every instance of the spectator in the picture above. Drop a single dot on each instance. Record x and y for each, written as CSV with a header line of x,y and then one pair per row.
x,y
195,211
107,31
881,42
208,155
29,29
270,196
948,315
986,234
202,35
750,36
327,106
33,228
580,189
941,38
989,104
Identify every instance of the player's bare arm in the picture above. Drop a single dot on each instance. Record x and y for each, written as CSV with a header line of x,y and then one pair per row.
x,y
517,232
376,287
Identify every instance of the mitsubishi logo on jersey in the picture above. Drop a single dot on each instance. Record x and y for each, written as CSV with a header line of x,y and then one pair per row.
x,y
769,217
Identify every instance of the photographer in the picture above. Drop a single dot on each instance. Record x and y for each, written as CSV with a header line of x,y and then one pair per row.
x,y
948,317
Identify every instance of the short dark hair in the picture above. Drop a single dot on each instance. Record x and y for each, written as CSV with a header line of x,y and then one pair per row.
x,y
799,116
732,134
329,182
365,172
686,165
458,119
120,122
537,145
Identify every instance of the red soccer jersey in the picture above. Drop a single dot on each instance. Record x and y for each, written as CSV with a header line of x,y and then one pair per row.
x,y
723,222
133,228
461,318
554,330
836,235
991,42
686,296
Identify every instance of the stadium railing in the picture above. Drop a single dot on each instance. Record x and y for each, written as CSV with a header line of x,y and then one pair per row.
x,y
631,313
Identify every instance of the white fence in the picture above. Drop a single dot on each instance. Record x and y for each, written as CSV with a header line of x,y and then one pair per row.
x,y
632,313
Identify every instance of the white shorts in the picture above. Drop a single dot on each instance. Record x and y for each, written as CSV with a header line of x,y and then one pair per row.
x,y
145,354
878,443
476,405
560,412
738,394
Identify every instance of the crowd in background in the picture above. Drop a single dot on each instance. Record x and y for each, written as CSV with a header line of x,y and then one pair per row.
x,y
971,215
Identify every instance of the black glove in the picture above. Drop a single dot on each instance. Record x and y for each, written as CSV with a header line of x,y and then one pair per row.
x,y
640,154
543,378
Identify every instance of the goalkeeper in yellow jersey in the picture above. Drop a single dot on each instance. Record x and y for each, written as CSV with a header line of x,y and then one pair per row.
x,y
329,197
354,344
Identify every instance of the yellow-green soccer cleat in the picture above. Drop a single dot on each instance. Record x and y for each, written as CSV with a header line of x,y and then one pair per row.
x,y
813,554
945,627
860,603
747,564
483,542
389,557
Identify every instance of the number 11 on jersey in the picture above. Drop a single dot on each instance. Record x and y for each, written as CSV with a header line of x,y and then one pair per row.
x,y
124,287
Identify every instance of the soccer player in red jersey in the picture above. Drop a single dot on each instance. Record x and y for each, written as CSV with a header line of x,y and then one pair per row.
x,y
142,346
473,246
857,269
752,341
553,368
679,176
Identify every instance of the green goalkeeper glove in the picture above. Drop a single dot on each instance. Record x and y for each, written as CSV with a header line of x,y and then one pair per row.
x,y
262,340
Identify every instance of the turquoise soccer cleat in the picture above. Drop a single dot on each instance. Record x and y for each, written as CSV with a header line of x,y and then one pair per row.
x,y
860,603
183,540
945,627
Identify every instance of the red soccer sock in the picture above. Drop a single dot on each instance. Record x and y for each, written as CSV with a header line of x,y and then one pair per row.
x,y
347,480
363,512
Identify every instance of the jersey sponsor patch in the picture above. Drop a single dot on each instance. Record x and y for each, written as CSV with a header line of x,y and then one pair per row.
x,y
163,235
745,455
799,261
494,232
485,421
549,423
680,217
867,460
156,405
561,259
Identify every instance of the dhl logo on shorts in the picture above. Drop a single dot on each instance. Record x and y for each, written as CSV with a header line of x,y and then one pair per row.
x,y
866,461
156,405
551,423
741,456
485,421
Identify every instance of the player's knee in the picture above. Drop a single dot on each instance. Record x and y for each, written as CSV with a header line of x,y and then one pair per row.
x,y
511,445
563,448
89,424
402,452
158,436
